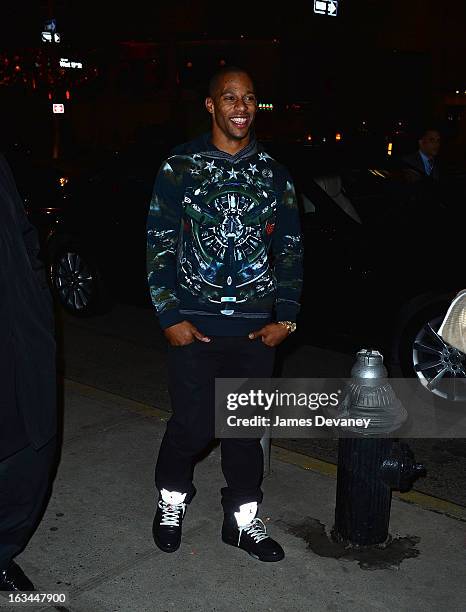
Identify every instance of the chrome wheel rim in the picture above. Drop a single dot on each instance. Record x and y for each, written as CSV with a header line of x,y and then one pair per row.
x,y
440,368
73,281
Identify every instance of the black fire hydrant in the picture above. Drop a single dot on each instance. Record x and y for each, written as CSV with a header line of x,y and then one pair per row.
x,y
371,465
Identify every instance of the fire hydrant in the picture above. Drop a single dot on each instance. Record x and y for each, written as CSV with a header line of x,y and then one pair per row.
x,y
370,466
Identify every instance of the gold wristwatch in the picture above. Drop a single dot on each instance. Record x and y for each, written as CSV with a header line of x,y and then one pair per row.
x,y
290,325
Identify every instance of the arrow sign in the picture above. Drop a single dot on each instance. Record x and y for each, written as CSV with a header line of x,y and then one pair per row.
x,y
320,7
326,7
50,25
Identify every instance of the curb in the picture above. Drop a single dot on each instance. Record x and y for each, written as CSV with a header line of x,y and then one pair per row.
x,y
325,468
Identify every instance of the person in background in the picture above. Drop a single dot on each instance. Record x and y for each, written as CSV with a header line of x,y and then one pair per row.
x,y
423,163
28,416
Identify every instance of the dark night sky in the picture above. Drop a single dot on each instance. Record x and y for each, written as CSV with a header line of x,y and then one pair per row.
x,y
429,26
417,23
93,20
385,57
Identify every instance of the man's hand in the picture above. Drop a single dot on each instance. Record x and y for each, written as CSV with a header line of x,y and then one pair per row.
x,y
271,334
184,333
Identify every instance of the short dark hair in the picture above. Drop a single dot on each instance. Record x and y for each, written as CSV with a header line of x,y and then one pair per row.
x,y
218,76
428,127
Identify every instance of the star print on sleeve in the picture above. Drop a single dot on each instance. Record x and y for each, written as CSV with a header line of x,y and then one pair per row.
x,y
195,171
253,168
263,156
210,166
232,173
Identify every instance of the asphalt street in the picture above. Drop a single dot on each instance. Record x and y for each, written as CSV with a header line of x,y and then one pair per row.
x,y
123,352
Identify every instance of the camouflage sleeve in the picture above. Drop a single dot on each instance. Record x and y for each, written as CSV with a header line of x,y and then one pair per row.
x,y
287,251
163,229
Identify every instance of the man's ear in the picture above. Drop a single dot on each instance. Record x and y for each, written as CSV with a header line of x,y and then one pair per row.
x,y
209,104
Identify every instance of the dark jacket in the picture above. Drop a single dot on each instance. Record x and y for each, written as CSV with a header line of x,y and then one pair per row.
x,y
27,344
224,240
413,163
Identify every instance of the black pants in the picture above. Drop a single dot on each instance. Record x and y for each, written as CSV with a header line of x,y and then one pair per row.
x,y
192,370
25,480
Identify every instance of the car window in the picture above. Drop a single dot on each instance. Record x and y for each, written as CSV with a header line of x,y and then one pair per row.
x,y
333,187
323,200
318,182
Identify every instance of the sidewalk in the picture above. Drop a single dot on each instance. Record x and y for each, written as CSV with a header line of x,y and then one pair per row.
x,y
95,541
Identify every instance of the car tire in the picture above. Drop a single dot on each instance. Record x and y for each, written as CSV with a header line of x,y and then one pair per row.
x,y
77,282
423,354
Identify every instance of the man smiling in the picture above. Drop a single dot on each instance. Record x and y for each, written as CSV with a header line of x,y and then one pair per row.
x,y
231,121
224,259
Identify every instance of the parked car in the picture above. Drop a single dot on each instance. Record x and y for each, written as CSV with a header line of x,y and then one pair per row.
x,y
382,256
380,272
40,184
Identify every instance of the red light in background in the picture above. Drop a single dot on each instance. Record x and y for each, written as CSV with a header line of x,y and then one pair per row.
x,y
338,136
50,95
17,68
67,94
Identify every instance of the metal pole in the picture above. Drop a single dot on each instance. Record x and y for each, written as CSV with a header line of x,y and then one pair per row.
x,y
52,54
266,443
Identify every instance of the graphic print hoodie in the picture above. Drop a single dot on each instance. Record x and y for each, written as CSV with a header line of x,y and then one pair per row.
x,y
224,247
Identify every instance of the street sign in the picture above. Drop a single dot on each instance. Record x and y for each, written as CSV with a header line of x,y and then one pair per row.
x,y
66,63
326,7
50,25
58,109
51,37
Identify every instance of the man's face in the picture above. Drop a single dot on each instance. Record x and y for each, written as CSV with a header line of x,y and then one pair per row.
x,y
233,106
429,144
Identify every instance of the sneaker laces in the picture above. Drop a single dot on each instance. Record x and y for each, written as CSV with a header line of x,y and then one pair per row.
x,y
171,513
255,529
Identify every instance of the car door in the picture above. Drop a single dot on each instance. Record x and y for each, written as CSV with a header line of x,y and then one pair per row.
x,y
333,275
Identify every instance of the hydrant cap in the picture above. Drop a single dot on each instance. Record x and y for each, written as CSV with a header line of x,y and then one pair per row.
x,y
369,364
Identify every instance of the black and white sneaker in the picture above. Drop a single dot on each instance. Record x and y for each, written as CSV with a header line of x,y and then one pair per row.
x,y
168,520
252,535
14,579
